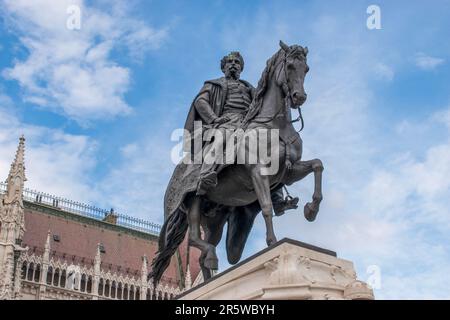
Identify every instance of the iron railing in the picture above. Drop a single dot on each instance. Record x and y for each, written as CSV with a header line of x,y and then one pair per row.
x,y
86,210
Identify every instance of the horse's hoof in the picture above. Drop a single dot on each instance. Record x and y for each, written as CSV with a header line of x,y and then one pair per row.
x,y
211,262
310,213
271,241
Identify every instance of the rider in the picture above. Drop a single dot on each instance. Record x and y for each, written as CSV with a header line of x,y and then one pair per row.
x,y
222,104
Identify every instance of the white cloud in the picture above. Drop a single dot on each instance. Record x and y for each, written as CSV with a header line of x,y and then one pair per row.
x,y
384,71
443,117
71,71
427,62
56,162
381,207
136,187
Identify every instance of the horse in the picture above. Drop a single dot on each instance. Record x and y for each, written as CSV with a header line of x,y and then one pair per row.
x,y
243,190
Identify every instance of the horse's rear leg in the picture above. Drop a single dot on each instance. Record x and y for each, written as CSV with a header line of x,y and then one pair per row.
x,y
213,229
300,170
262,190
208,258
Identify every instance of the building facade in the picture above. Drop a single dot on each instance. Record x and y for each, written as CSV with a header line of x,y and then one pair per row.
x,y
54,248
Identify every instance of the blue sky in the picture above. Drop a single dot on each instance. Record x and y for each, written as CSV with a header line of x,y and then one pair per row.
x,y
98,106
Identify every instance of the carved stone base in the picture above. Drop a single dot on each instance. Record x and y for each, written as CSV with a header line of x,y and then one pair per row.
x,y
287,270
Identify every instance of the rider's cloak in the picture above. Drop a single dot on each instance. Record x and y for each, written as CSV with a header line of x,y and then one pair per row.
x,y
185,176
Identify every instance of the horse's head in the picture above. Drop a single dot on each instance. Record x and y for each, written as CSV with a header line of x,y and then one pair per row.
x,y
292,75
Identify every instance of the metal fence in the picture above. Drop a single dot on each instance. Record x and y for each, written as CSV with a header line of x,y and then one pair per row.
x,y
86,210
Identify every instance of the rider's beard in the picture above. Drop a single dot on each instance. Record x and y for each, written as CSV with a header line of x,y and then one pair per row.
x,y
232,74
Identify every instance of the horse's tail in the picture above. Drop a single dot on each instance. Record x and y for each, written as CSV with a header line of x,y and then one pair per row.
x,y
171,236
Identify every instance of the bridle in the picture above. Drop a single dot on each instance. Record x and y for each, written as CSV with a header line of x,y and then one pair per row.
x,y
288,96
287,99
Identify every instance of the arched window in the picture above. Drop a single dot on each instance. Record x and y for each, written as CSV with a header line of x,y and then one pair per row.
x,y
30,272
56,277
171,296
125,292
119,291
89,285
83,283
49,275
154,296
149,295
107,287
100,287
37,273
131,292
63,279
24,270
166,296
138,293
113,290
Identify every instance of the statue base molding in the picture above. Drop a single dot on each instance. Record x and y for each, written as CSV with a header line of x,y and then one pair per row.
x,y
287,270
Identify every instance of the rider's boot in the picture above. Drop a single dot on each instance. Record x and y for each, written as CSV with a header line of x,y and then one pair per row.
x,y
206,182
280,204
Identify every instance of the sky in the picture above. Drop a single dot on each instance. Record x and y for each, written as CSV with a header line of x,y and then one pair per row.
x,y
98,105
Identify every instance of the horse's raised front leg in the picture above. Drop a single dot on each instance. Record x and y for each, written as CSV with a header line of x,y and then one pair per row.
x,y
208,259
262,190
300,170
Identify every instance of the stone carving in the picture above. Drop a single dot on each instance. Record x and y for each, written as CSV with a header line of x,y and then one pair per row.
x,y
358,290
285,271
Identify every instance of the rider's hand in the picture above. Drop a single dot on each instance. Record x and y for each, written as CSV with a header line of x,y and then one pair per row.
x,y
222,119
288,165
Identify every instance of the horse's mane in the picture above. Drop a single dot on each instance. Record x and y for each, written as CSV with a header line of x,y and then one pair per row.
x,y
257,102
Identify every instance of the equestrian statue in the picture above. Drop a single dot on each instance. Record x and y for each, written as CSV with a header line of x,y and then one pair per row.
x,y
209,194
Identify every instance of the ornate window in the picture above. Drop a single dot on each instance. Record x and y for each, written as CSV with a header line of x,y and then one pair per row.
x,y
100,287
63,279
119,291
125,292
56,278
49,275
37,273
131,292
83,283
89,285
138,293
24,270
113,290
30,272
107,288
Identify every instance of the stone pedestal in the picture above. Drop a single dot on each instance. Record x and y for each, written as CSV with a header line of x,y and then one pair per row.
x,y
287,270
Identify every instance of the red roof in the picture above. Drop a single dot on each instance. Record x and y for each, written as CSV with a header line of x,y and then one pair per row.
x,y
124,248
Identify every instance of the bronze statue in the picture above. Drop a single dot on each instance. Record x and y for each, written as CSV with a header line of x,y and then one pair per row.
x,y
212,195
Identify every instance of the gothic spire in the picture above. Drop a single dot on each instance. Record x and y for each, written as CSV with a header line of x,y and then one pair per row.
x,y
144,269
16,177
98,259
188,281
47,247
47,242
